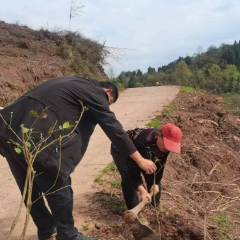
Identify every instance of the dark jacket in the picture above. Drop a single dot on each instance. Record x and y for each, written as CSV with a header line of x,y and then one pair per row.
x,y
144,140
62,94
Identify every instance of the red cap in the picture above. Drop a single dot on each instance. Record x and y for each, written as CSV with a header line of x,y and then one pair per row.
x,y
172,136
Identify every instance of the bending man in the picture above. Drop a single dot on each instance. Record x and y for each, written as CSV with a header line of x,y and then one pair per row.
x,y
63,95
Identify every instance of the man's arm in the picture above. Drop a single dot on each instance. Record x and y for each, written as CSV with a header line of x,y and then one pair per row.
x,y
147,165
144,193
113,129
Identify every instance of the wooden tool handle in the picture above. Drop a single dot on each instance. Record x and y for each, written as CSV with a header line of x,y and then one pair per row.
x,y
142,204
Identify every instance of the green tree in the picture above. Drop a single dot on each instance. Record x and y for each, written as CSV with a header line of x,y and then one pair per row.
x,y
231,78
132,82
229,55
236,49
214,78
237,63
188,60
198,79
231,72
123,79
151,70
139,73
212,50
180,59
215,72
182,73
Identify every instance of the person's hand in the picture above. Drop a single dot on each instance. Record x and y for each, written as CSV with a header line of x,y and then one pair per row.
x,y
154,189
143,194
148,166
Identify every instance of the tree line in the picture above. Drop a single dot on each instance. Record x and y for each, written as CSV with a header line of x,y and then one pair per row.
x,y
216,70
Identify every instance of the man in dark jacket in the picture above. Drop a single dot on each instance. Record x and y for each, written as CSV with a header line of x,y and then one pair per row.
x,y
154,144
63,95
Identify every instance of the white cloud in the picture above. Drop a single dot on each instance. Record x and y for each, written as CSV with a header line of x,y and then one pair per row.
x,y
157,31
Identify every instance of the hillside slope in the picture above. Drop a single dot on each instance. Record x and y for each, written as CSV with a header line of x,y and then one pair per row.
x,y
28,57
200,188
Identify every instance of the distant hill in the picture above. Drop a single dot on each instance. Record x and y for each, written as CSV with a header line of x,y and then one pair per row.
x,y
216,70
28,57
222,56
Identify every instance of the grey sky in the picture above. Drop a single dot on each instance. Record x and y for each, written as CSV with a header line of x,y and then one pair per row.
x,y
156,31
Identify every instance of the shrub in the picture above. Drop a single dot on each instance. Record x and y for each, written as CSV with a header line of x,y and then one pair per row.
x,y
139,85
232,103
65,51
120,86
24,45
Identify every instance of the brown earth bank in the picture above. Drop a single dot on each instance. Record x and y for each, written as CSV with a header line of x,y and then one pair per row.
x,y
28,57
134,108
201,187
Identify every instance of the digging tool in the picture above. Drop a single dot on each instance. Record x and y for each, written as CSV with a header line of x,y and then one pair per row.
x,y
139,230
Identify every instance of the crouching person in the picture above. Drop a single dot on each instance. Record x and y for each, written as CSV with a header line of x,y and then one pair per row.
x,y
154,144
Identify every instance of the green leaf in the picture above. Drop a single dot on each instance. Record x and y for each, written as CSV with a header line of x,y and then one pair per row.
x,y
81,102
70,127
18,150
25,130
9,142
50,130
28,144
66,124
86,109
60,127
34,113
76,122
22,125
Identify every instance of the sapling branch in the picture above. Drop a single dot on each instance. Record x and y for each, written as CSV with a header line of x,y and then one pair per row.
x,y
27,146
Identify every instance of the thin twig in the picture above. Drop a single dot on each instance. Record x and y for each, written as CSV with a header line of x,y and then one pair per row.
x,y
205,226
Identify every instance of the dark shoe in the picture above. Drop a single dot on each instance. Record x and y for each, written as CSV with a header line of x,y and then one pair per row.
x,y
82,237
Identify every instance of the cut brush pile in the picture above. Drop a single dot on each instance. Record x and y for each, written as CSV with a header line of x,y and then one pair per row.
x,y
200,187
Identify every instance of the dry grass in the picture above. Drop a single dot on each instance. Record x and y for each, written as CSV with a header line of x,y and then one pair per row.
x,y
29,57
200,195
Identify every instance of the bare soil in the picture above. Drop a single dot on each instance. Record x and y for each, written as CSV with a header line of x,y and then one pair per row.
x,y
134,108
201,187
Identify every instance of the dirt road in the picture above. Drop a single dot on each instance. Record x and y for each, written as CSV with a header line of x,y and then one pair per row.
x,y
134,108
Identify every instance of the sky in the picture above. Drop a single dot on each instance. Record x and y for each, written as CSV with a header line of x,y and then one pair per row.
x,y
144,32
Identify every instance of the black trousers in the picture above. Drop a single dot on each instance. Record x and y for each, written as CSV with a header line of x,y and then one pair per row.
x,y
127,167
60,202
